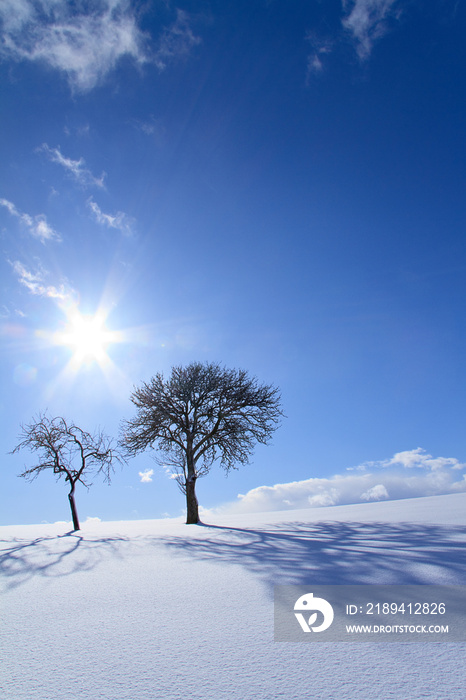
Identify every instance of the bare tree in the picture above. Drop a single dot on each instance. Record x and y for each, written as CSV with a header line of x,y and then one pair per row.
x,y
202,413
69,452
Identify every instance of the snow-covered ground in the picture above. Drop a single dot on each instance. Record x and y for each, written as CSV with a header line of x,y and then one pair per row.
x,y
149,610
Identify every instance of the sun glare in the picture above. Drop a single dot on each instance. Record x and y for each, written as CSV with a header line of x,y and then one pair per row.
x,y
88,342
88,337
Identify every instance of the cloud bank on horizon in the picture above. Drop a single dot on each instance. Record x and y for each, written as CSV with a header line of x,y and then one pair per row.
x,y
409,474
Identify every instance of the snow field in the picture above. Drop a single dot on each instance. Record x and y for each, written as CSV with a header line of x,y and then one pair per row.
x,y
155,610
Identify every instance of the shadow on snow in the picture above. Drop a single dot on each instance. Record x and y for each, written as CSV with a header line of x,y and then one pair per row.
x,y
54,556
289,553
336,553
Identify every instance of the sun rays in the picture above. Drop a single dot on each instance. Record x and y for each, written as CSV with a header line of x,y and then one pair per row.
x,y
88,337
88,341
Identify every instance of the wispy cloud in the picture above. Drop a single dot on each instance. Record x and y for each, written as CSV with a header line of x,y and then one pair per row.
x,y
119,221
407,474
146,476
151,127
36,225
35,282
367,21
320,48
362,22
75,168
84,41
176,41
81,131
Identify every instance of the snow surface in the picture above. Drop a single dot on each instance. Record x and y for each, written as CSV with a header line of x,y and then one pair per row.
x,y
145,610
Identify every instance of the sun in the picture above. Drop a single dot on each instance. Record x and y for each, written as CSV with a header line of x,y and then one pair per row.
x,y
88,343
88,338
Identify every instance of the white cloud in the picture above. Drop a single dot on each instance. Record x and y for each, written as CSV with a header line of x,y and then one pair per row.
x,y
325,498
146,476
84,41
419,459
375,493
11,207
14,14
407,474
74,167
35,283
119,221
37,225
176,41
42,230
362,21
367,21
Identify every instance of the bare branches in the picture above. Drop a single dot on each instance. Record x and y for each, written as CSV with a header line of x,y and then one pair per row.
x,y
68,451
201,413
213,407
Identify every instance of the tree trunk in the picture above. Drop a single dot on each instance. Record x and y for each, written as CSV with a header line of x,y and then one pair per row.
x,y
74,512
192,506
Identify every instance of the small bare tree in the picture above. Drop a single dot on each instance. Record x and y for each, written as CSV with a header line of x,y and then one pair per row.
x,y
203,412
69,452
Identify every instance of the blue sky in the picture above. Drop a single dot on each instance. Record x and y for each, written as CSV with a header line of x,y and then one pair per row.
x,y
277,186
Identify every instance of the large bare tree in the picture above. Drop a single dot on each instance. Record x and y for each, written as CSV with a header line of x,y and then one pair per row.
x,y
201,413
69,452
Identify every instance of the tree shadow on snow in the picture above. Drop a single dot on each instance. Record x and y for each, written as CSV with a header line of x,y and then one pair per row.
x,y
287,553
56,555
336,553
